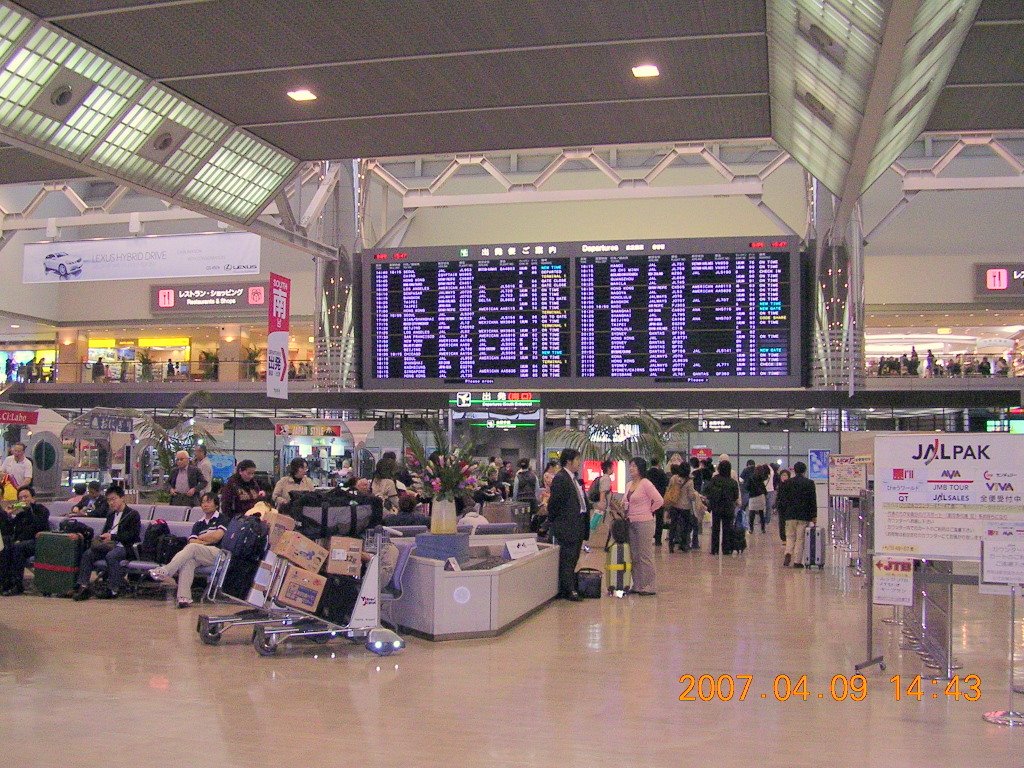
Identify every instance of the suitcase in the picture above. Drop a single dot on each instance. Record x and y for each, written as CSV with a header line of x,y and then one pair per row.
x,y
620,568
338,599
56,564
734,537
814,547
588,582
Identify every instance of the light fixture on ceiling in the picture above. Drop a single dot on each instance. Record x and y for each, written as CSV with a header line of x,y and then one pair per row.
x,y
645,70
944,331
15,326
304,94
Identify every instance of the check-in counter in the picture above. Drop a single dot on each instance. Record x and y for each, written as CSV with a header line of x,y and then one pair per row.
x,y
444,604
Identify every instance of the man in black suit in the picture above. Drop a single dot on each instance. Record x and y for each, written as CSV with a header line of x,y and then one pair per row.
x,y
568,520
114,544
658,477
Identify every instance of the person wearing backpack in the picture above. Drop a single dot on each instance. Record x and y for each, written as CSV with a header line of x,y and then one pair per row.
x,y
723,495
201,550
524,486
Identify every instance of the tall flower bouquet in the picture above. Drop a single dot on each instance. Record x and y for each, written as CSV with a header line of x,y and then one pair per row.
x,y
447,472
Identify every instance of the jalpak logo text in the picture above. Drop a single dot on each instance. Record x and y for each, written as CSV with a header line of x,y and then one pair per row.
x,y
928,452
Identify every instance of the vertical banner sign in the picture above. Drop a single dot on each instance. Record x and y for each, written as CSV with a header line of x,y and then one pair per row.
x,y
278,313
893,581
937,496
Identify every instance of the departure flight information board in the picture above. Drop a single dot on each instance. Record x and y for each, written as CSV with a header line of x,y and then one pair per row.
x,y
603,314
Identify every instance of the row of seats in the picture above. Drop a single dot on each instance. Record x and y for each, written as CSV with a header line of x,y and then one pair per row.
x,y
168,512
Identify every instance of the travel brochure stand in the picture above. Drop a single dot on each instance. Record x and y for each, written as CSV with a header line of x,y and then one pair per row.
x,y
1002,562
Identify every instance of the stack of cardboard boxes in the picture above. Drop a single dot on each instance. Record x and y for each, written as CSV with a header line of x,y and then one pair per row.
x,y
303,585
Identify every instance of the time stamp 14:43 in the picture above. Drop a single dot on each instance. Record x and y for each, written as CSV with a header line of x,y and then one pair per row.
x,y
840,688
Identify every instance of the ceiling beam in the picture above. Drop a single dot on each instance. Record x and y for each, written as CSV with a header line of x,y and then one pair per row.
x,y
898,27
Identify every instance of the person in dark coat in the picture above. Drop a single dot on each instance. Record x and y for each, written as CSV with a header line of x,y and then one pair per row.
x,y
568,521
723,495
798,505
29,518
659,479
241,491
115,544
185,481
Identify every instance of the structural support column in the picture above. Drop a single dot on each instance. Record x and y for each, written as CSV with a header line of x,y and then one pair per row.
x,y
72,352
838,350
229,353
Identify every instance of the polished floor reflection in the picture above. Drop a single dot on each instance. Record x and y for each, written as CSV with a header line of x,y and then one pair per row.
x,y
127,682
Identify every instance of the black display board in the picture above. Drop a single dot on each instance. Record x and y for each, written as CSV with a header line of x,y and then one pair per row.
x,y
650,313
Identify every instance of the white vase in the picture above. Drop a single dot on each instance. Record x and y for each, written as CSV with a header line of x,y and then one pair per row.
x,y
442,516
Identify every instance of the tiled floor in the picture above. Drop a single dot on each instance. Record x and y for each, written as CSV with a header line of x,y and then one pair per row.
x,y
593,684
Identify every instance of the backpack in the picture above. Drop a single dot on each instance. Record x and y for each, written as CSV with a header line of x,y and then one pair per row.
x,y
76,526
168,546
594,492
527,487
151,541
246,538
618,531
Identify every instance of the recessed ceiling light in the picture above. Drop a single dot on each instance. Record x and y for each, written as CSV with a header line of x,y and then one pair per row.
x,y
15,326
645,70
303,94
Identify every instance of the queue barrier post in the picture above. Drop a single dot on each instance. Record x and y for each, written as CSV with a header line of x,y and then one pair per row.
x,y
1009,716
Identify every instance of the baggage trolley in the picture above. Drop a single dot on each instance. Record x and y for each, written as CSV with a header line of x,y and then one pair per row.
x,y
210,628
363,625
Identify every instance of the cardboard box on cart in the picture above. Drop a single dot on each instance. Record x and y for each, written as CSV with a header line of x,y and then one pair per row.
x,y
301,589
304,552
278,524
345,557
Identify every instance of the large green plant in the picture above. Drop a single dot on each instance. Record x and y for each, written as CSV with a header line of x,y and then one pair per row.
x,y
643,436
183,436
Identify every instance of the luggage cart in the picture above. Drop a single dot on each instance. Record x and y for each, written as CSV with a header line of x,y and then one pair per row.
x,y
210,628
364,624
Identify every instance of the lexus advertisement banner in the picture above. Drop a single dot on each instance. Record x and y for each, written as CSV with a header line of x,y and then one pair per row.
x,y
219,254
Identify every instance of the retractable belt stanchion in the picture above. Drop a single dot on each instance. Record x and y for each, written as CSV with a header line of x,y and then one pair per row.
x,y
1009,716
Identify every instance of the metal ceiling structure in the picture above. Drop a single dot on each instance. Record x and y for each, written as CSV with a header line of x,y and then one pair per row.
x,y
407,77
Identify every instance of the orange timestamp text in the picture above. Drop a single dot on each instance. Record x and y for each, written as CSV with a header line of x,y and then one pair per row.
x,y
840,688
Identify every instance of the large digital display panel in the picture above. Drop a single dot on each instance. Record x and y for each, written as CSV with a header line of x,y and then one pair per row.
x,y
602,314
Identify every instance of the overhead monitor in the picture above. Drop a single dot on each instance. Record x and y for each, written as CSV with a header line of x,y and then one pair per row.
x,y
600,314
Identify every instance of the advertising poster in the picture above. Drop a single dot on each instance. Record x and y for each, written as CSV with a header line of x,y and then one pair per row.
x,y
221,254
936,495
846,476
817,465
893,581
278,314
1002,554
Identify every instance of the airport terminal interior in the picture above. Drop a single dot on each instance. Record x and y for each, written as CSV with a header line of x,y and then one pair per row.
x,y
371,275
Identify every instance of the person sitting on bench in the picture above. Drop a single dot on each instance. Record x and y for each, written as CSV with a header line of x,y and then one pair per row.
x,y
93,504
28,519
407,514
201,550
115,544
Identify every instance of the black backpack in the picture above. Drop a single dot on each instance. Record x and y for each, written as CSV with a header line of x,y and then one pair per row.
x,y
151,541
594,492
76,526
168,546
527,486
246,538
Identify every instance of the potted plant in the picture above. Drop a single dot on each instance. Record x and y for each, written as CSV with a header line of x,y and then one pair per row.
x,y
208,363
146,365
252,363
606,438
445,474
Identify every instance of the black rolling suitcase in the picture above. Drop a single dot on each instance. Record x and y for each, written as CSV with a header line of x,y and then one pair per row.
x,y
588,582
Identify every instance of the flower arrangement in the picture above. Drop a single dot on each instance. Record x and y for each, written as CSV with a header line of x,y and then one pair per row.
x,y
447,472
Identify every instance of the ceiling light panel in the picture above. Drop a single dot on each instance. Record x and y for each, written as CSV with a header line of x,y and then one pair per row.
x,y
160,141
821,56
36,80
12,26
240,178
938,32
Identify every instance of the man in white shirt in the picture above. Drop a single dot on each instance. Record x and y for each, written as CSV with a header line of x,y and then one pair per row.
x,y
18,466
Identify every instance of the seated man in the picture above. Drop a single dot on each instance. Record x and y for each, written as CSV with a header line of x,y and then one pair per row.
x,y
472,519
27,519
407,514
115,543
201,550
93,504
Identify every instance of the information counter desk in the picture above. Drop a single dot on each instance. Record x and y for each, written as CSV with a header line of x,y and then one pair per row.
x,y
440,604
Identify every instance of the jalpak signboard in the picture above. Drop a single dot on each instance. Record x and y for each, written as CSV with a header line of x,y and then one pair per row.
x,y
227,254
207,297
936,495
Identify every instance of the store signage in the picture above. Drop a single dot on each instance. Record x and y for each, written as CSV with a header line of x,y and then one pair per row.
x,y
936,495
1002,554
202,297
893,581
229,254
503,424
702,453
8,416
998,281
714,425
494,400
308,430
278,319
104,423
846,475
520,548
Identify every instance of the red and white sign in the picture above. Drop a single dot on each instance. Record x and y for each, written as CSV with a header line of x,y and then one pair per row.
x,y
8,416
702,453
278,315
